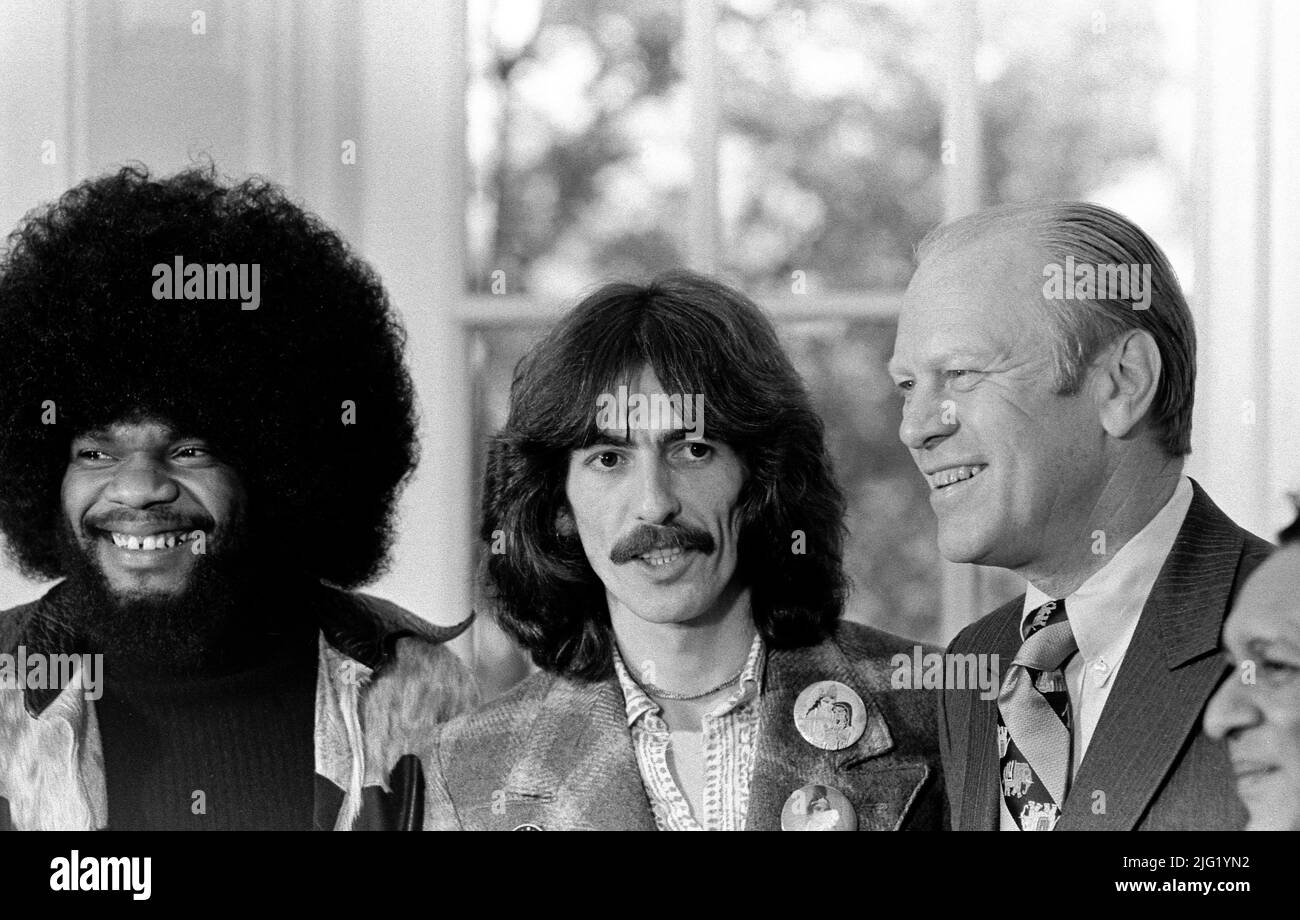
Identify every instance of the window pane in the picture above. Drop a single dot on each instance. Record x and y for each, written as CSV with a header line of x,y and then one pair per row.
x,y
1092,101
830,140
577,142
892,554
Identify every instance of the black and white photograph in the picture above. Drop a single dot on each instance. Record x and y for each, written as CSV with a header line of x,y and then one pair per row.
x,y
572,415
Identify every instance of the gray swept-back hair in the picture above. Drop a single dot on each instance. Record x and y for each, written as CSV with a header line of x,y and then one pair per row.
x,y
1096,235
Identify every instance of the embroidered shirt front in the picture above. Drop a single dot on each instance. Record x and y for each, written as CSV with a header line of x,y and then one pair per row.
x,y
729,744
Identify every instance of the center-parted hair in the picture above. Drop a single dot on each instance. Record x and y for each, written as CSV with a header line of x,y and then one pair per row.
x,y
700,337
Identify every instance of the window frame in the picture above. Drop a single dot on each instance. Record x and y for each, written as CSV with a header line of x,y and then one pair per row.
x,y
962,590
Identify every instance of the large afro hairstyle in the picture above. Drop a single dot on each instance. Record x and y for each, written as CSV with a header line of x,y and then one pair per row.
x,y
84,344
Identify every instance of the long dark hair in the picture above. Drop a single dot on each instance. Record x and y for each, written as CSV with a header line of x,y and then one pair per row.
x,y
699,336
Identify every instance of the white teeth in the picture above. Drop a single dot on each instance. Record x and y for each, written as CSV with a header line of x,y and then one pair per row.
x,y
956,474
661,556
150,543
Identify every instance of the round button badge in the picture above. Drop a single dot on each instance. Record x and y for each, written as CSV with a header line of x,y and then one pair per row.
x,y
830,715
818,808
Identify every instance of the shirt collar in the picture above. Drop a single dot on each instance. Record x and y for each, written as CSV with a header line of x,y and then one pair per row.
x,y
639,703
1104,610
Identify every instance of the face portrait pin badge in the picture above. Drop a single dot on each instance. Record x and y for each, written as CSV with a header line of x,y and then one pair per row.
x,y
830,715
818,808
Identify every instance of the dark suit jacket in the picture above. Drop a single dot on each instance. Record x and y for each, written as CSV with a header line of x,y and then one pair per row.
x,y
557,753
1147,757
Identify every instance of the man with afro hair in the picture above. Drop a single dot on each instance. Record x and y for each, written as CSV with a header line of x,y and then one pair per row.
x,y
205,422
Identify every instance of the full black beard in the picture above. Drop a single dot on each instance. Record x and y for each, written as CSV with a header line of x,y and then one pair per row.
x,y
217,624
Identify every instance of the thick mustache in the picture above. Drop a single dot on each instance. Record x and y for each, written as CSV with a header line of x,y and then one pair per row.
x,y
648,538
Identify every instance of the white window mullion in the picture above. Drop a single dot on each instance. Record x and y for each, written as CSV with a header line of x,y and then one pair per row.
x,y
1284,442
963,597
78,118
1231,298
700,38
962,151
413,139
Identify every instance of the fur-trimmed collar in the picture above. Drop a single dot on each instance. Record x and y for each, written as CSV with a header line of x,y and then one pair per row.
x,y
359,626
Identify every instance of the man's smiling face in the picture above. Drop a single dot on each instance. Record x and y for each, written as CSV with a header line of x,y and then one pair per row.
x,y
1257,708
136,495
1013,468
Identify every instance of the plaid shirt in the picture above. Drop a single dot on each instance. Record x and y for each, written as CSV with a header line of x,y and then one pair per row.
x,y
730,739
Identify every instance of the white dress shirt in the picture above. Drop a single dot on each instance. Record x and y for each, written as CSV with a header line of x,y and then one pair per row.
x,y
1103,613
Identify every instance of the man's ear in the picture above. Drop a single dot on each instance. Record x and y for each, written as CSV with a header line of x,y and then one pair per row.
x,y
565,525
1127,377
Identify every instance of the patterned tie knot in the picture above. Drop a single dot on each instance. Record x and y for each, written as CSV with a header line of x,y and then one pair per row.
x,y
1049,614
1049,639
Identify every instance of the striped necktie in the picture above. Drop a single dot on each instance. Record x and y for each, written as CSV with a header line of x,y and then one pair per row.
x,y
1034,721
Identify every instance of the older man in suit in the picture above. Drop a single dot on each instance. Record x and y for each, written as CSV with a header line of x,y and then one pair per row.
x,y
664,536
1046,358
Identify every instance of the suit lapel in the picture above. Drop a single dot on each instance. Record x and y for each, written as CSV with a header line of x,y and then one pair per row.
x,y
577,764
983,787
785,761
1168,673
